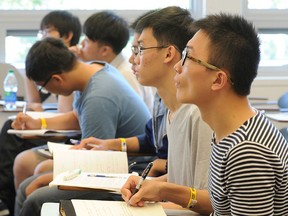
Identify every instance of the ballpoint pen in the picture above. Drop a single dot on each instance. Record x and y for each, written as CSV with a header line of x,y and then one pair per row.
x,y
102,176
24,112
143,177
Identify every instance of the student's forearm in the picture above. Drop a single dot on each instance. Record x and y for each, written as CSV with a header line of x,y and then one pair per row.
x,y
132,144
67,121
181,195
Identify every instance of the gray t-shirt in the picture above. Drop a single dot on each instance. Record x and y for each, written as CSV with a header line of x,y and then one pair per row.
x,y
189,148
109,107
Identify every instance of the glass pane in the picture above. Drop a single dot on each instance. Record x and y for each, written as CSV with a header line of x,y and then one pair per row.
x,y
267,4
274,49
17,48
89,4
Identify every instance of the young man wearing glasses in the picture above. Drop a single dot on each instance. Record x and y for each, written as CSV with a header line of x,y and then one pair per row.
x,y
189,137
249,160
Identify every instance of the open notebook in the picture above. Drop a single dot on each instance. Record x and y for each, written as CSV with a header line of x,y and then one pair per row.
x,y
44,132
105,170
107,208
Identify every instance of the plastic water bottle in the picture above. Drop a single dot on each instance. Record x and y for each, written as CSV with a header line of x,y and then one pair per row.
x,y
10,90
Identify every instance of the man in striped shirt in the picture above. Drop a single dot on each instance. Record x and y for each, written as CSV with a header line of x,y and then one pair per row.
x,y
249,158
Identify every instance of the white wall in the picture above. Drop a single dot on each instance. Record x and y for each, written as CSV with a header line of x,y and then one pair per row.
x,y
229,6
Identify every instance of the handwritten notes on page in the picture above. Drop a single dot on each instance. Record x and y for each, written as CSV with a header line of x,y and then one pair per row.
x,y
115,208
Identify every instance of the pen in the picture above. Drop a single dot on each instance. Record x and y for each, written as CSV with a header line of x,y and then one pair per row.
x,y
143,177
132,165
75,142
24,112
92,145
71,174
101,176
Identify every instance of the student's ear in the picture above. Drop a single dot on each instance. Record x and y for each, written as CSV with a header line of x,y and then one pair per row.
x,y
106,50
67,39
58,78
220,80
170,53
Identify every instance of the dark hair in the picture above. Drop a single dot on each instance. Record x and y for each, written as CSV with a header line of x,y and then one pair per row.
x,y
133,25
64,22
107,28
47,57
234,46
171,26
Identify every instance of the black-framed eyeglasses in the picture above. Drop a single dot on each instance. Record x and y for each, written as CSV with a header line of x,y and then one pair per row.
x,y
42,87
141,49
198,61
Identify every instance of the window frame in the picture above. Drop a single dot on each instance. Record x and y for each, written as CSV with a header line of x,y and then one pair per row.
x,y
268,21
29,20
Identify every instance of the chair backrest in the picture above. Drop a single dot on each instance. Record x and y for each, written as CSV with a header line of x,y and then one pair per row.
x,y
4,68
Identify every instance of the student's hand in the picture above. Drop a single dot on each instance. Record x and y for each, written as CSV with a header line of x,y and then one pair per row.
x,y
23,121
95,144
76,50
159,168
40,181
149,191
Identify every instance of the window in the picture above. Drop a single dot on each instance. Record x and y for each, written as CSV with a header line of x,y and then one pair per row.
x,y
267,4
270,18
20,20
88,4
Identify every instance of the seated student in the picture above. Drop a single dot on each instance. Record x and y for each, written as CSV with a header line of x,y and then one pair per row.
x,y
67,27
107,35
58,24
195,134
249,163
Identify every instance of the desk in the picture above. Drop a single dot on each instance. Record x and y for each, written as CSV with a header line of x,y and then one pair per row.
x,y
52,209
279,119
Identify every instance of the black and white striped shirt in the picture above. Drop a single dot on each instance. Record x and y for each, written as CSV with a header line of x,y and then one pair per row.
x,y
249,171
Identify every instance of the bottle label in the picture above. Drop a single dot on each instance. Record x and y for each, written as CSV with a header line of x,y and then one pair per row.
x,y
10,97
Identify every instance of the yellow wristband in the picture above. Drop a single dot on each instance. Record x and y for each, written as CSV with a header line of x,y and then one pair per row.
x,y
123,145
192,201
43,123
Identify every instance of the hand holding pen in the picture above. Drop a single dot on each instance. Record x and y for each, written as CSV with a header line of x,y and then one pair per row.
x,y
142,178
129,190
